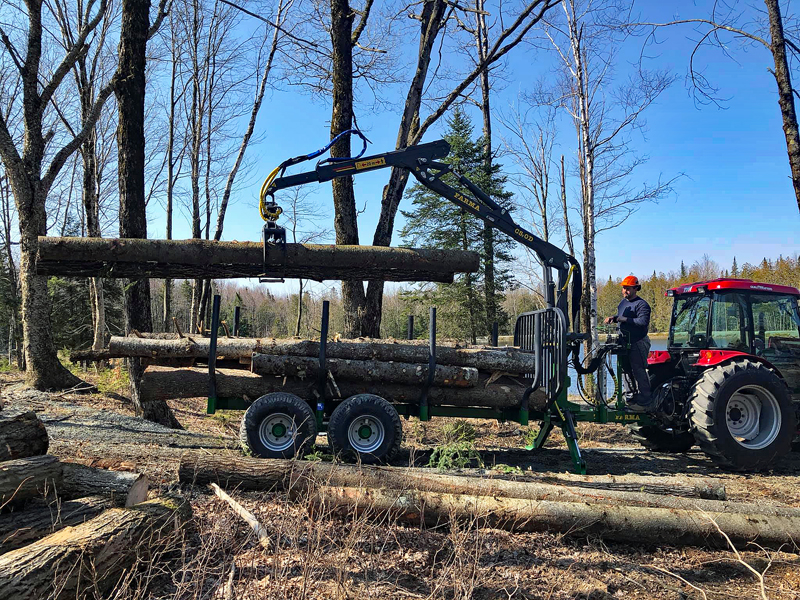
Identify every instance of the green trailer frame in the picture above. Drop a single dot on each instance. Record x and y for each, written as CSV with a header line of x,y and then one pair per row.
x,y
551,355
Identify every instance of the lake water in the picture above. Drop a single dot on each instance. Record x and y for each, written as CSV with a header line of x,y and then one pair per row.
x,y
659,343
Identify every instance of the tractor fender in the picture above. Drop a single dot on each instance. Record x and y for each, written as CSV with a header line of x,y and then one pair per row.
x,y
713,358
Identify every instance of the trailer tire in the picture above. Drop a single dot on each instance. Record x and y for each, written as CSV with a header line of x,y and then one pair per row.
x,y
278,425
742,416
365,428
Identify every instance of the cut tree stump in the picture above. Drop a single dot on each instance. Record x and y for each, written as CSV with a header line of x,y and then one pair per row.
x,y
122,487
508,360
92,556
22,527
203,259
631,524
29,477
162,383
22,434
373,371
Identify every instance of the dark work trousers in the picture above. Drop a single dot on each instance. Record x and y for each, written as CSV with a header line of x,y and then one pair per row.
x,y
635,378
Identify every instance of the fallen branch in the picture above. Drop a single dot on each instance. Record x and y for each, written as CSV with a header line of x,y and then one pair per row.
x,y
250,518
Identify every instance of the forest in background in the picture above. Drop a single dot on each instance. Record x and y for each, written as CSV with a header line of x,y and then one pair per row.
x,y
264,313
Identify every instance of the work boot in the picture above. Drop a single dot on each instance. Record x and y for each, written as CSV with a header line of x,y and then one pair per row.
x,y
650,405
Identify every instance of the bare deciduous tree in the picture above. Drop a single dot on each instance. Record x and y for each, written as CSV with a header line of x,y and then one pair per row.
x,y
31,177
751,27
604,115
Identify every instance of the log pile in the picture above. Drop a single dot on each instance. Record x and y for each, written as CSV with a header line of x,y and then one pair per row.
x,y
420,497
67,529
196,259
463,376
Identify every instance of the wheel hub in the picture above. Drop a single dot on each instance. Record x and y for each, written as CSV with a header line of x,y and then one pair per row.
x,y
753,417
366,434
277,432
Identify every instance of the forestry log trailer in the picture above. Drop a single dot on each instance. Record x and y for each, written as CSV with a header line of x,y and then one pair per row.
x,y
729,399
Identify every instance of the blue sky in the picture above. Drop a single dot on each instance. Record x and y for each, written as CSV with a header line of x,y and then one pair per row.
x,y
734,199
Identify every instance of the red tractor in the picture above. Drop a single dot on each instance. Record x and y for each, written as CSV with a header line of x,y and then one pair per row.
x,y
729,379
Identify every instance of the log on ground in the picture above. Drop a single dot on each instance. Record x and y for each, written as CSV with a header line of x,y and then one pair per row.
x,y
631,524
29,477
122,487
509,360
91,556
22,434
22,527
373,371
242,473
191,259
161,383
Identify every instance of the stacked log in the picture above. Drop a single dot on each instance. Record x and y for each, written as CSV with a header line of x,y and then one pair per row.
x,y
397,371
418,497
21,434
195,259
60,534
162,383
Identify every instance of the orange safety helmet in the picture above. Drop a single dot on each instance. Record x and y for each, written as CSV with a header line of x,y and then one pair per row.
x,y
631,281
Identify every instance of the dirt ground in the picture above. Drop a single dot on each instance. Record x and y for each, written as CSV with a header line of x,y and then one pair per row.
x,y
335,556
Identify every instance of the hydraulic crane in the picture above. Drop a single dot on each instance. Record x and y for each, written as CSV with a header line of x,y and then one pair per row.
x,y
422,161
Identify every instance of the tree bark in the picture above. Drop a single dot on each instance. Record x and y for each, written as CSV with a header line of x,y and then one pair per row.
x,y
257,474
507,360
22,434
782,75
162,383
79,257
132,211
30,477
23,527
364,370
631,524
94,555
122,487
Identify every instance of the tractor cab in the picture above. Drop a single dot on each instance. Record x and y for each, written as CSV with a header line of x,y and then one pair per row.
x,y
715,321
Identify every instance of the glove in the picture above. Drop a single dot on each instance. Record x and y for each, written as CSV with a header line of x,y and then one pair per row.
x,y
620,319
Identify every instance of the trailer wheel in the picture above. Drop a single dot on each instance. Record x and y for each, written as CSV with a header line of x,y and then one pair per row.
x,y
278,425
365,427
741,415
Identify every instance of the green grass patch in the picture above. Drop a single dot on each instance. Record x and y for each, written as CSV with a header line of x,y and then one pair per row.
x,y
457,450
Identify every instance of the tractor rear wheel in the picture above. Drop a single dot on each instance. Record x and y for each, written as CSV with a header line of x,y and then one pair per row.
x,y
742,416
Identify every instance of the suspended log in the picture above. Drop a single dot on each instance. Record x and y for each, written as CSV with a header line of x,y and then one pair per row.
x,y
364,370
22,434
242,473
91,556
509,360
194,259
631,524
29,477
161,383
122,487
22,527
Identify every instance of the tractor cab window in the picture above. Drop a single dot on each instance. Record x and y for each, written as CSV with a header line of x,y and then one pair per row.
x,y
776,325
690,322
730,327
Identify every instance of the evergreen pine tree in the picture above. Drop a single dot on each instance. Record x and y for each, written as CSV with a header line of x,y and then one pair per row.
x,y
683,270
435,222
734,268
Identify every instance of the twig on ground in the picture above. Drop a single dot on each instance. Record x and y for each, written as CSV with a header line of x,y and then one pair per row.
x,y
258,528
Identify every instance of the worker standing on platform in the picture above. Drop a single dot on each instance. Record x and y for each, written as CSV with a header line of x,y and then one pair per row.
x,y
633,316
